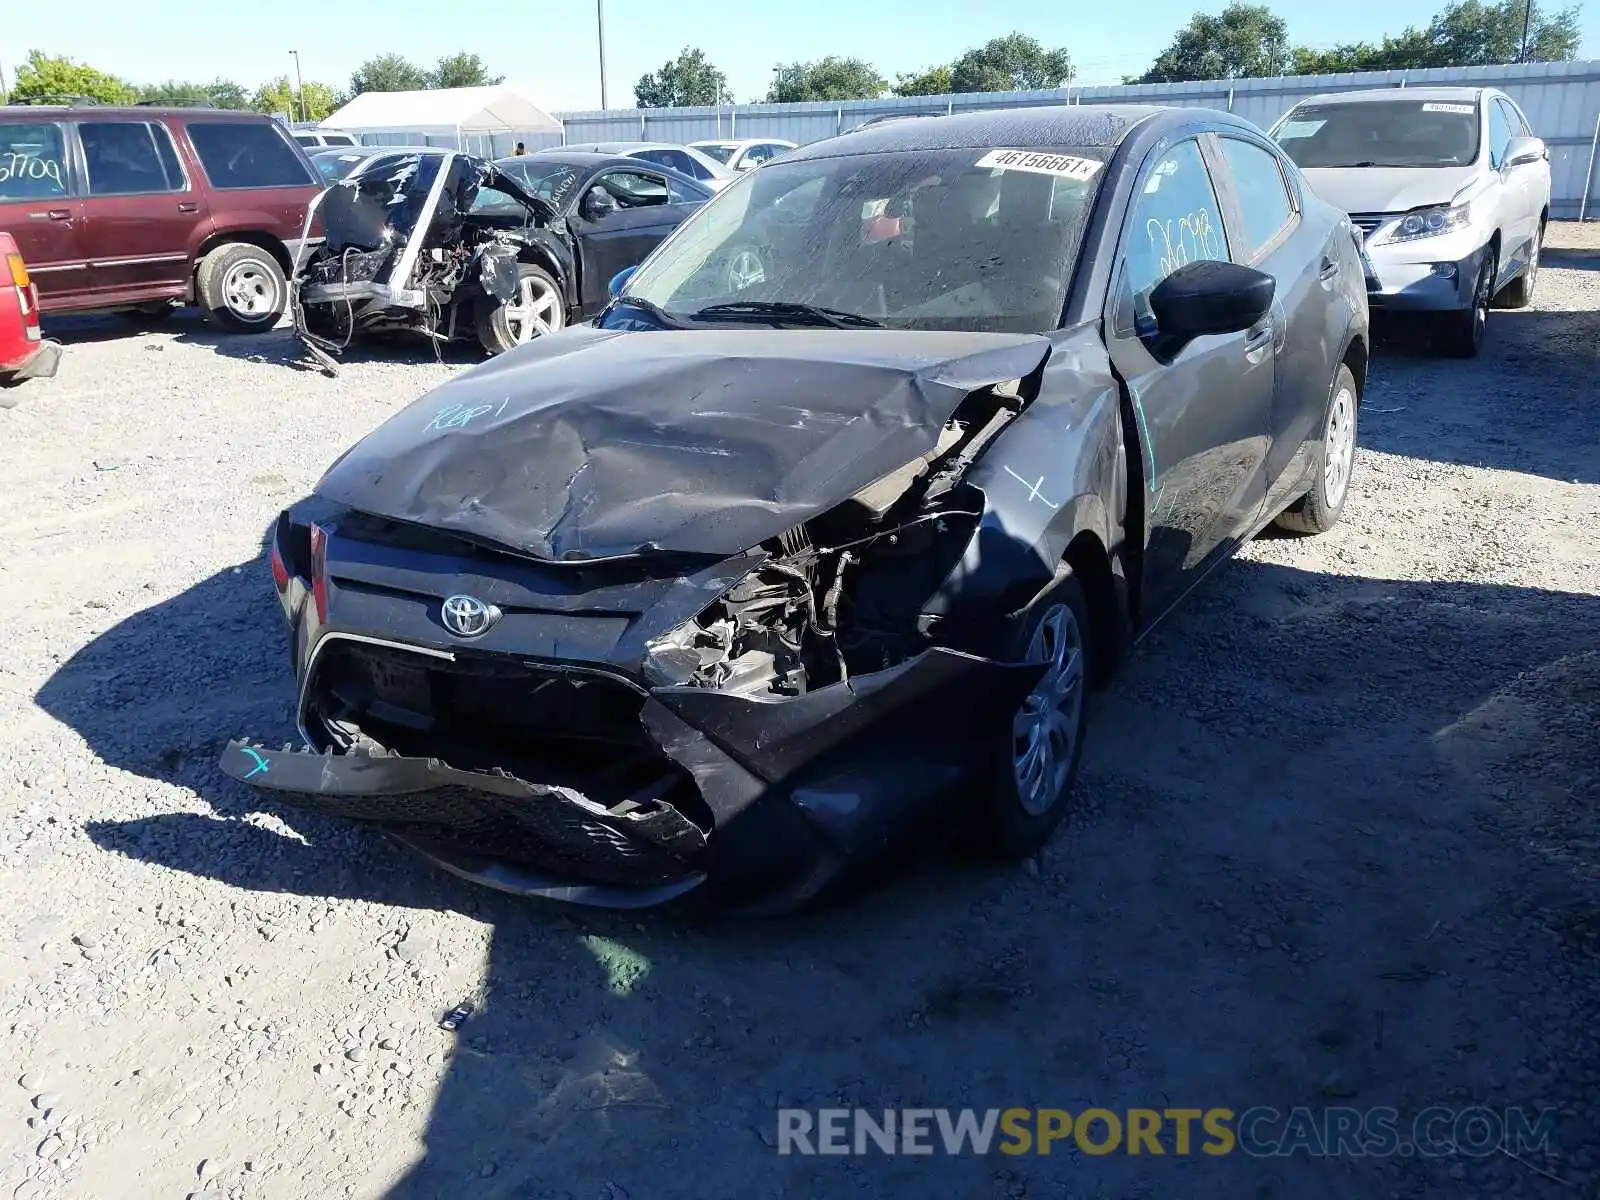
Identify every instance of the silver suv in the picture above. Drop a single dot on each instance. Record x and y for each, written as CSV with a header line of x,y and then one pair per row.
x,y
1448,185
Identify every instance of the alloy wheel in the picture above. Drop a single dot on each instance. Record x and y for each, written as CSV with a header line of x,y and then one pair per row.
x,y
535,311
1044,732
1339,447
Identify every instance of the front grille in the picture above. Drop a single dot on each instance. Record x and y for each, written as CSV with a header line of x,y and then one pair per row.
x,y
1367,222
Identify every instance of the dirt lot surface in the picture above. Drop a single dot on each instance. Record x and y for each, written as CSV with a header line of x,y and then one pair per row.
x,y
1337,845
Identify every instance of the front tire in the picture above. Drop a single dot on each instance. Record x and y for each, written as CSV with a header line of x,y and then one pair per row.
x,y
1320,508
1461,333
536,310
241,288
1042,743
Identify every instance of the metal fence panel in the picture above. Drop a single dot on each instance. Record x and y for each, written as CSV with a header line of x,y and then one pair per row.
x,y
1561,100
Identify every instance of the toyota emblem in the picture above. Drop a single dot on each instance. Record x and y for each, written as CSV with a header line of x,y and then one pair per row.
x,y
467,616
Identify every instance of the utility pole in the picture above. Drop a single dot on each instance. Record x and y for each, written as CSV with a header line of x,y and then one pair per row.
x,y
300,85
1527,16
600,25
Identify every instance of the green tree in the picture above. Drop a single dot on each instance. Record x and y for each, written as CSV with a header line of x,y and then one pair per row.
x,y
388,73
830,78
280,95
42,74
461,70
1243,41
688,80
1015,62
935,81
219,93
1468,33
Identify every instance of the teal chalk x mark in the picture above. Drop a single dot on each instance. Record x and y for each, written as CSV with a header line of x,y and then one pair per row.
x,y
261,764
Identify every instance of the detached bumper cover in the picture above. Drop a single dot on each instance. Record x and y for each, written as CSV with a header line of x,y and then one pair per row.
x,y
41,363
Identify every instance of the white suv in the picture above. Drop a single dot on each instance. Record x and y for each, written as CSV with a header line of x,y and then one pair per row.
x,y
1448,185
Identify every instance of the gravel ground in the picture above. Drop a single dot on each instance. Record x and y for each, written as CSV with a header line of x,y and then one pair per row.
x,y
1337,846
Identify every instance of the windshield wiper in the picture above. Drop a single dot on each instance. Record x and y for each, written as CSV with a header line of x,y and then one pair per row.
x,y
778,311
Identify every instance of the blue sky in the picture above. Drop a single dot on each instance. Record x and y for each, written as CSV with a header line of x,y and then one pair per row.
x,y
550,47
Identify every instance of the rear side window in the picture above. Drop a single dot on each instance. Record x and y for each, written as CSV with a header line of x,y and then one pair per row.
x,y
306,139
127,158
1263,197
679,192
338,139
247,154
32,162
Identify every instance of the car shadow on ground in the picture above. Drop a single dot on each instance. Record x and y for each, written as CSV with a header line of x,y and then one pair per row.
x,y
1423,405
648,1054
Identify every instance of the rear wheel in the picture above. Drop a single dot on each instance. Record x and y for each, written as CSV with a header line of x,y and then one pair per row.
x,y
1040,746
1519,292
536,309
1461,333
241,287
1320,508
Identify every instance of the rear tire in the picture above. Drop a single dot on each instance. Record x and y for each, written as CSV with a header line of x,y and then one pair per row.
x,y
241,288
1519,292
1041,744
1319,509
1460,334
536,310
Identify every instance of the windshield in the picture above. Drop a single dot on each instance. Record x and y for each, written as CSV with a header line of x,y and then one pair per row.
x,y
336,166
968,239
551,182
1385,133
721,151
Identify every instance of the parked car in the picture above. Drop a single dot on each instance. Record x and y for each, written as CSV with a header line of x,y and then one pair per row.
x,y
132,209
24,352
686,161
334,163
744,582
317,139
743,154
1450,188
451,246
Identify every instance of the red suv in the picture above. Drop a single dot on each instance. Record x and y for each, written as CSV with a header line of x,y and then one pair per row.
x,y
132,209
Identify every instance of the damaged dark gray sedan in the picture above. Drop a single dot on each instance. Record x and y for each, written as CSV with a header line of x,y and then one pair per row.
x,y
820,537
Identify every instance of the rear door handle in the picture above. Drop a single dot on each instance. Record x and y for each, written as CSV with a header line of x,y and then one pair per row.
x,y
188,206
54,214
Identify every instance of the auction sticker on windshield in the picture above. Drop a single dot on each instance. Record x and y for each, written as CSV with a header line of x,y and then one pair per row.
x,y
1066,166
1463,109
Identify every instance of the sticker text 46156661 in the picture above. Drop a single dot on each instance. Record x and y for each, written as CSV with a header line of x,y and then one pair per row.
x,y
1067,166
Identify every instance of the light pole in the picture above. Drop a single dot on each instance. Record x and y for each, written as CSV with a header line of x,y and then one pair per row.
x,y
1527,16
300,86
600,25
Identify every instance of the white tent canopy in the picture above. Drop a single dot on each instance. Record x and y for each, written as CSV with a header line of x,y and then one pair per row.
x,y
444,112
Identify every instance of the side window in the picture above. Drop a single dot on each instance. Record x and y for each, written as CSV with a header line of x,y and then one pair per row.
x,y
635,189
32,162
247,154
122,159
1515,125
339,139
1174,220
679,193
1499,134
1263,196
756,155
306,139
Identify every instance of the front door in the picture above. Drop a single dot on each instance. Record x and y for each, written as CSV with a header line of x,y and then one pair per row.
x,y
643,216
40,208
1203,415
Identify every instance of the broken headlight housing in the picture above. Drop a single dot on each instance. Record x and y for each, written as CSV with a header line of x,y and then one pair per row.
x,y
1431,222
748,640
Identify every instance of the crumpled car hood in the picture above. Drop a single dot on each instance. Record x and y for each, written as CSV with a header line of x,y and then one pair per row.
x,y
601,443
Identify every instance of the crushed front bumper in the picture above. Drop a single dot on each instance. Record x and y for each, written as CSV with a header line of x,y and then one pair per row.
x,y
793,793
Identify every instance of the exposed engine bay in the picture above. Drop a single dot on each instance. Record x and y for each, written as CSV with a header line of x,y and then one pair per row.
x,y
432,244
846,593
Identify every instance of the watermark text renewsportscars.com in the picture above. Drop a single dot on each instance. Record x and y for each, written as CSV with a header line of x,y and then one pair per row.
x,y
1259,1131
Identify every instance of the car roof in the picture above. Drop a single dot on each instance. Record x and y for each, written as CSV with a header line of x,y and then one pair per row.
x,y
1374,95
578,158
136,112
755,141
1085,126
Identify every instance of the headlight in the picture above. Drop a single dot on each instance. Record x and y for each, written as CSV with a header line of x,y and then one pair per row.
x,y
1430,222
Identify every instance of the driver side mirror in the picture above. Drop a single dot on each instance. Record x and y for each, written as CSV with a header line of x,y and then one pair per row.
x,y
597,203
1522,150
1208,297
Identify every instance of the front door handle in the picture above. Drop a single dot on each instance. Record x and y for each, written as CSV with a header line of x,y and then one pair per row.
x,y
188,206
53,214
1330,269
1258,343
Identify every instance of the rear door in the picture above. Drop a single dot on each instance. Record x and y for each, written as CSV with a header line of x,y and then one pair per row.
x,y
40,207
1203,415
1268,231
143,213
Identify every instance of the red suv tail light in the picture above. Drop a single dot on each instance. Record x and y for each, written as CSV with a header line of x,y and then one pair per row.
x,y
27,296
